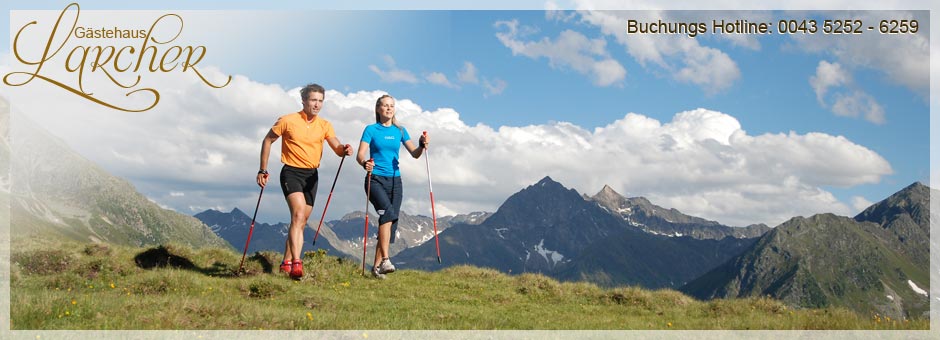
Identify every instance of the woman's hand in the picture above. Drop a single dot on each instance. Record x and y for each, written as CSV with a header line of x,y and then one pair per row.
x,y
424,140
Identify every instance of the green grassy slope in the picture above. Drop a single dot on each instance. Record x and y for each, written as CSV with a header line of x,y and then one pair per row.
x,y
65,285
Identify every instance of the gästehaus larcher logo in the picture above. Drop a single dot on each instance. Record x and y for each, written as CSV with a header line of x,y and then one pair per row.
x,y
122,55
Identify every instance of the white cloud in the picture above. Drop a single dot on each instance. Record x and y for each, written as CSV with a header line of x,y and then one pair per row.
x,y
468,74
569,50
845,101
5,61
494,87
903,58
828,75
859,103
205,144
394,74
438,78
685,59
860,203
555,12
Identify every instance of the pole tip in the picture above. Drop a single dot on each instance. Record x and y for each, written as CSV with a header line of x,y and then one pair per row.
x,y
439,260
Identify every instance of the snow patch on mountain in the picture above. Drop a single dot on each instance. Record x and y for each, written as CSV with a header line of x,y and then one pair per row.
x,y
628,211
916,289
550,256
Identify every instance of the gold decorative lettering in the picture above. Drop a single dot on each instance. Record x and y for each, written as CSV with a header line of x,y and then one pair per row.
x,y
112,61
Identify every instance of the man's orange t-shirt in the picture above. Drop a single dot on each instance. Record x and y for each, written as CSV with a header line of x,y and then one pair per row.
x,y
302,142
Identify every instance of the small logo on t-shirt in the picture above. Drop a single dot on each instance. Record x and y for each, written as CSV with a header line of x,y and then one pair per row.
x,y
389,137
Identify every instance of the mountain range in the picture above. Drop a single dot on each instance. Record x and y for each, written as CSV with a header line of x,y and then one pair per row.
x,y
549,229
58,193
233,227
342,237
874,263
607,238
641,213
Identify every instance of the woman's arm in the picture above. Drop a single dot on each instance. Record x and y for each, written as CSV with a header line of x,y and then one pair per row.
x,y
416,151
362,156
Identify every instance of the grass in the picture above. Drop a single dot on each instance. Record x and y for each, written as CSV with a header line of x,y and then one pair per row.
x,y
62,285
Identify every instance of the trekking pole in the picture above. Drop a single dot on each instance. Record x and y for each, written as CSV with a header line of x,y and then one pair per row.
x,y
329,197
252,228
427,159
365,234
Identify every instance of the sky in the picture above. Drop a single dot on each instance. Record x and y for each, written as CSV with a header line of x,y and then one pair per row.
x,y
740,129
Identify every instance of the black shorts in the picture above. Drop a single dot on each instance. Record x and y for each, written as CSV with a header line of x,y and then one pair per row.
x,y
300,180
386,196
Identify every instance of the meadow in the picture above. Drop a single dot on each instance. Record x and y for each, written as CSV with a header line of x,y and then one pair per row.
x,y
65,285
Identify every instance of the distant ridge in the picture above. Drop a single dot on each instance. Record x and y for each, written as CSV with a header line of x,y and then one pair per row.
x,y
341,237
875,263
58,193
549,229
641,213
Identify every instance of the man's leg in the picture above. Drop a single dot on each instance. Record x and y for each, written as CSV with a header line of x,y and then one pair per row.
x,y
299,213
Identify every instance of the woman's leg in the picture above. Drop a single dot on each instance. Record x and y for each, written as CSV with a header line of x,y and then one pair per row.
x,y
381,249
382,196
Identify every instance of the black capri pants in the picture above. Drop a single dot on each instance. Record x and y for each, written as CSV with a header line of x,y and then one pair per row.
x,y
386,197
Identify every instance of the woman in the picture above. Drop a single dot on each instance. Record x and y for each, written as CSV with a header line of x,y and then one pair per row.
x,y
383,140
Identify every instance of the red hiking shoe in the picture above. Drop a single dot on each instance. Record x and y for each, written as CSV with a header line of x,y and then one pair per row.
x,y
285,267
297,270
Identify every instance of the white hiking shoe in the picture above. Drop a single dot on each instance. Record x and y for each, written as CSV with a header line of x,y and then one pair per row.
x,y
386,266
376,273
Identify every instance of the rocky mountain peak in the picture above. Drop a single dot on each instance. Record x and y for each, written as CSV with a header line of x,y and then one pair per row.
x,y
608,196
353,215
236,213
642,202
545,195
913,200
547,182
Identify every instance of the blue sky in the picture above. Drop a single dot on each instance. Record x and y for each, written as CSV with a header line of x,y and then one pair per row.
x,y
536,90
773,94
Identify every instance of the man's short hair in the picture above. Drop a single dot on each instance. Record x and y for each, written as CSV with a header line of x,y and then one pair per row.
x,y
305,92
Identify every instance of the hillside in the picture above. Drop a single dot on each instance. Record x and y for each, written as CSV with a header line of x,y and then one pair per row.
x,y
73,286
4,173
826,260
904,221
60,194
4,147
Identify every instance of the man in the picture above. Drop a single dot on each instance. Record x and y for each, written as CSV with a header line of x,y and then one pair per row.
x,y
302,139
